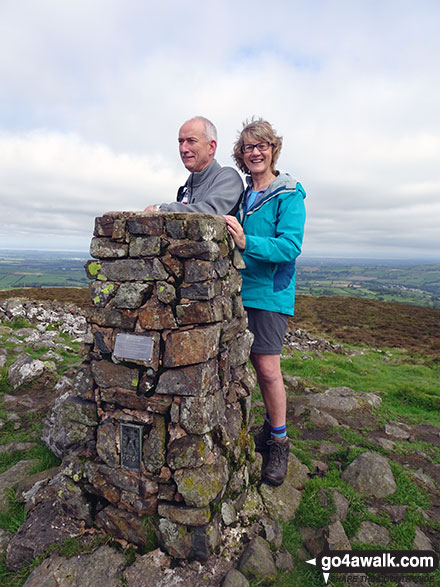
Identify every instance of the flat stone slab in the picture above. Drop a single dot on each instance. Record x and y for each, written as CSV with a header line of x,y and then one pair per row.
x,y
11,477
101,568
342,399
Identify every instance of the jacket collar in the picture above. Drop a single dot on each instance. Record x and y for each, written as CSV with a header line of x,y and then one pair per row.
x,y
198,177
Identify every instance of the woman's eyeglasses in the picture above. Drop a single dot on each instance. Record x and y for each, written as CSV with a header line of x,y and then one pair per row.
x,y
260,146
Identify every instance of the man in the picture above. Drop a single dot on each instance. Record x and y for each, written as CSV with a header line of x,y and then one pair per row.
x,y
210,188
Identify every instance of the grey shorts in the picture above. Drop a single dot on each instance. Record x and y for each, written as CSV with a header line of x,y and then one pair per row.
x,y
268,329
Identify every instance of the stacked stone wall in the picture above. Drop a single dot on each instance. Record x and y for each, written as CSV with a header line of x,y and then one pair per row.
x,y
174,279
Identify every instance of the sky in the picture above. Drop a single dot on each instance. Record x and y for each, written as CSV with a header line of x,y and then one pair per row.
x,y
93,92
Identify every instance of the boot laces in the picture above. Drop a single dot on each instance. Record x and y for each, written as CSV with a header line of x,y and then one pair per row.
x,y
276,452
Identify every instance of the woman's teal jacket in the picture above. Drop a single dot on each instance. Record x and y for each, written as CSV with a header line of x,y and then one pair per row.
x,y
274,229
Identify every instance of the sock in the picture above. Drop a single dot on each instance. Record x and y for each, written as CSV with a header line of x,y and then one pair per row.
x,y
279,431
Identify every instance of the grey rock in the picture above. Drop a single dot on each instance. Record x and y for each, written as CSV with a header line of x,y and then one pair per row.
x,y
30,485
283,561
5,539
314,540
174,538
132,295
327,448
51,356
385,443
397,513
189,451
101,292
11,477
425,479
229,515
201,415
151,565
257,562
235,579
371,533
24,370
282,502
421,541
185,515
341,505
252,507
70,425
370,474
322,419
154,446
11,447
273,532
336,537
45,525
200,486
343,399
240,348
396,432
101,568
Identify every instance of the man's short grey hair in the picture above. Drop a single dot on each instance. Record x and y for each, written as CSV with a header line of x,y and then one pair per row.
x,y
210,130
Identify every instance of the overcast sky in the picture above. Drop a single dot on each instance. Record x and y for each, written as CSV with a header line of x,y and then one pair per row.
x,y
92,93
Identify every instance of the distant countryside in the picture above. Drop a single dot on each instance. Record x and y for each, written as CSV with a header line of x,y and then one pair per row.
x,y
388,281
414,284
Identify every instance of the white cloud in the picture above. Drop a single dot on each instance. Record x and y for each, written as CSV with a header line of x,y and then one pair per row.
x,y
93,94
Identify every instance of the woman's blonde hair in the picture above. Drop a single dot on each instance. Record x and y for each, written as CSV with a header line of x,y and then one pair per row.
x,y
257,130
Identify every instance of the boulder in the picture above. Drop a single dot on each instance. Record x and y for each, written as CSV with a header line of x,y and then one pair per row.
x,y
11,477
24,370
70,425
60,514
283,501
343,399
5,539
371,533
336,537
421,541
235,579
200,486
257,562
370,474
151,565
101,568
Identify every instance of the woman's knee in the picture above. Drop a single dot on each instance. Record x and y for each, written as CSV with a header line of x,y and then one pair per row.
x,y
268,368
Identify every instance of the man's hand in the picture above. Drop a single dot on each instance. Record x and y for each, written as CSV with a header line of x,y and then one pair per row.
x,y
236,231
152,208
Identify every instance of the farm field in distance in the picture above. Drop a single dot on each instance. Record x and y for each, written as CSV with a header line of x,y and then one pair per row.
x,y
389,281
19,269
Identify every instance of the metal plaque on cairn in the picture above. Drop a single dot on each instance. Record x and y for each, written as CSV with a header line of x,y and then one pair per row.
x,y
131,446
135,347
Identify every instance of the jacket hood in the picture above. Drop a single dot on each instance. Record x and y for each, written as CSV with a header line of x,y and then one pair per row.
x,y
283,182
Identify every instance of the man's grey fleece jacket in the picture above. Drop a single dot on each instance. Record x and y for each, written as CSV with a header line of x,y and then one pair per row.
x,y
215,190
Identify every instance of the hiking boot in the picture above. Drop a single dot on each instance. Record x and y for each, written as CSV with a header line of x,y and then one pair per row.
x,y
262,437
275,470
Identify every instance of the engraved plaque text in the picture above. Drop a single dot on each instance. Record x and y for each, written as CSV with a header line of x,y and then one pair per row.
x,y
133,347
131,446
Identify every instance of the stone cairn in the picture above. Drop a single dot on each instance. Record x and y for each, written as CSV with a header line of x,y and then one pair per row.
x,y
170,379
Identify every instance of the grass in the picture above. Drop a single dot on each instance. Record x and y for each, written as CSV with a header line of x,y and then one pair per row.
x,y
408,386
409,390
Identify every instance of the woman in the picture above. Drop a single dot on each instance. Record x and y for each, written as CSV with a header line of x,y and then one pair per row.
x,y
269,231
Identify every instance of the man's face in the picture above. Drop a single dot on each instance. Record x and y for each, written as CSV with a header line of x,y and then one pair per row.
x,y
195,151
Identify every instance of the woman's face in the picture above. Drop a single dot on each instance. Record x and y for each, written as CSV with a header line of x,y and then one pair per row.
x,y
257,161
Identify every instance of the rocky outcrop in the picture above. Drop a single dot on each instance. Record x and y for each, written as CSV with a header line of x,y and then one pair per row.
x,y
67,318
370,474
